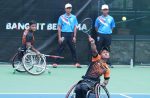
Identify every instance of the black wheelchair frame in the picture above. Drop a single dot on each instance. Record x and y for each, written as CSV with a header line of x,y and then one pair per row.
x,y
95,91
17,56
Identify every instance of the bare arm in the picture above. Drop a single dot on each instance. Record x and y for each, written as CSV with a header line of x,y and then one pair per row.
x,y
93,46
75,31
59,32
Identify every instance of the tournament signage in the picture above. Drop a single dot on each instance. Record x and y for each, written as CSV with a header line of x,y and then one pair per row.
x,y
16,15
40,26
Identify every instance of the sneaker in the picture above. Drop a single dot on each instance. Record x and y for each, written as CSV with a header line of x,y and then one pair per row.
x,y
55,65
78,65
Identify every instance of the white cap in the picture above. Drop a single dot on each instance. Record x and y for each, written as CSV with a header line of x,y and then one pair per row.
x,y
105,6
68,5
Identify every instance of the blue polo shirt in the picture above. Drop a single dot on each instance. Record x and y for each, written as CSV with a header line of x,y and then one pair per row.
x,y
67,23
105,24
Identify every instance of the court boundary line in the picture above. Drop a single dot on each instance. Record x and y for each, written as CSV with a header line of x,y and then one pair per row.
x,y
124,95
65,93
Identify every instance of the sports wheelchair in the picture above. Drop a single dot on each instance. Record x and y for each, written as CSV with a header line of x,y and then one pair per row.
x,y
29,61
98,91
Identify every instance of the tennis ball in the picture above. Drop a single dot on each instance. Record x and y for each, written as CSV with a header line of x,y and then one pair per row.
x,y
124,18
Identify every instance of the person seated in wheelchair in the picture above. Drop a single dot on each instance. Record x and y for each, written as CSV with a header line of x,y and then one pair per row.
x,y
28,39
97,68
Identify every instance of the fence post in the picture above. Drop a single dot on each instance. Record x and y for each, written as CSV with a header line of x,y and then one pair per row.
x,y
134,50
98,8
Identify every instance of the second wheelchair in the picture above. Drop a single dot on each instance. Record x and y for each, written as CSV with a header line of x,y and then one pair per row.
x,y
29,61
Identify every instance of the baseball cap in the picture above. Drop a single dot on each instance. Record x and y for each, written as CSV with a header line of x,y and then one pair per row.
x,y
105,6
68,5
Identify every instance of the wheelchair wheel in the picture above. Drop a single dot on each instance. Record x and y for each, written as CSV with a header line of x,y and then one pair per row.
x,y
17,63
88,93
34,64
70,93
101,91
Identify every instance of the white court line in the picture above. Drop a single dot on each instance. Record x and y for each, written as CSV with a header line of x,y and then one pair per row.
x,y
125,96
65,93
130,93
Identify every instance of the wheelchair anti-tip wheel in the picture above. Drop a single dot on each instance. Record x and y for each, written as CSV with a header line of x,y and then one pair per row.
x,y
17,63
34,64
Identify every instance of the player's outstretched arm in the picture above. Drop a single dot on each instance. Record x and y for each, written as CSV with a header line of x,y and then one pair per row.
x,y
93,46
59,34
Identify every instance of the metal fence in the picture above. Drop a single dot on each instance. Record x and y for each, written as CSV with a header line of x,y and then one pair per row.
x,y
130,47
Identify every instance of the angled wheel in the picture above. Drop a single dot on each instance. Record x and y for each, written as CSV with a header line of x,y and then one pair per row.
x,y
17,63
104,93
70,93
34,64
101,91
88,93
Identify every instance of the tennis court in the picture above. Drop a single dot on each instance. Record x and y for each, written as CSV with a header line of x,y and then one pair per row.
x,y
124,83
34,33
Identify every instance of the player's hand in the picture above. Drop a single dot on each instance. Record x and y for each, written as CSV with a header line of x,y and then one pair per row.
x,y
104,83
74,39
38,53
91,39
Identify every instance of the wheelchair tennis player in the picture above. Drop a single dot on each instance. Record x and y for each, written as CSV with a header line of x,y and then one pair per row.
x,y
28,39
97,68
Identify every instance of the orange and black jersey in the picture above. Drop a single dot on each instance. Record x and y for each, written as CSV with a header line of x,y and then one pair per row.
x,y
27,37
98,68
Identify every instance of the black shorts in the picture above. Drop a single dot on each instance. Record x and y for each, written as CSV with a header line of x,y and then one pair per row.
x,y
84,86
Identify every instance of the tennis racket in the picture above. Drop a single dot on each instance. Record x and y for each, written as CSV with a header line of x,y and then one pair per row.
x,y
87,25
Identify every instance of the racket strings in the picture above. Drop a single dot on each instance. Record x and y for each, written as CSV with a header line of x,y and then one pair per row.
x,y
87,25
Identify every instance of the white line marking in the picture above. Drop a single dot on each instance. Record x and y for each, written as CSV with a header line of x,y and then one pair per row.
x,y
65,93
131,93
125,96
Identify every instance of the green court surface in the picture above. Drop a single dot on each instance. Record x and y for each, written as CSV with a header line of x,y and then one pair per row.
x,y
123,80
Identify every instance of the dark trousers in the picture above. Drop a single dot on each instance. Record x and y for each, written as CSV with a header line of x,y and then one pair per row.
x,y
83,87
21,52
68,40
81,90
103,41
